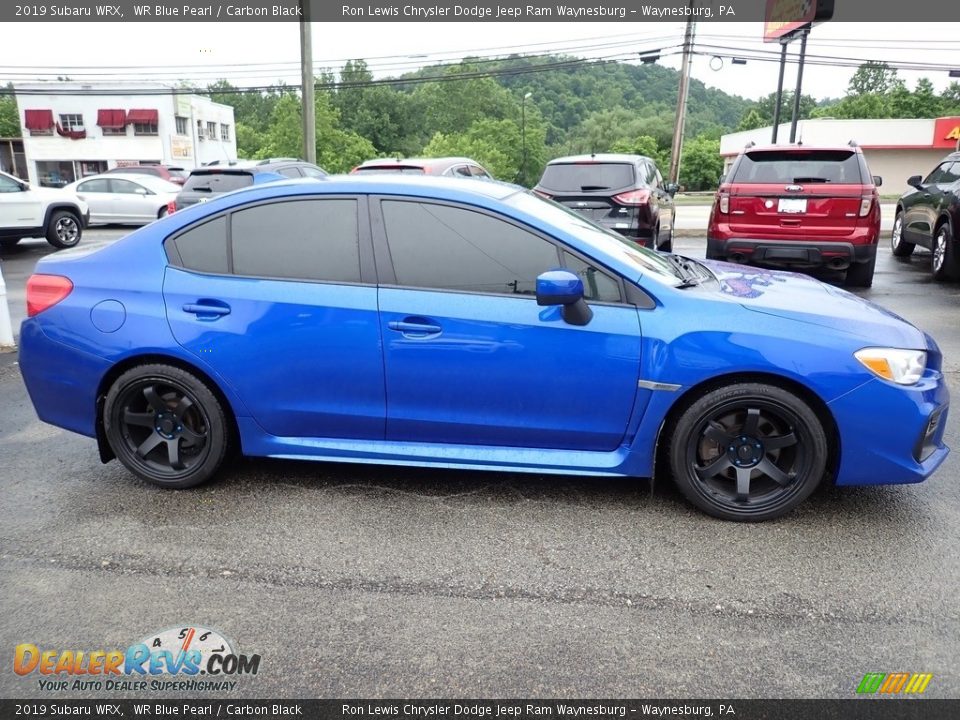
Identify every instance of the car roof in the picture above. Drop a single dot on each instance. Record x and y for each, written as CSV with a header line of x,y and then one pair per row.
x,y
598,158
443,162
801,148
109,176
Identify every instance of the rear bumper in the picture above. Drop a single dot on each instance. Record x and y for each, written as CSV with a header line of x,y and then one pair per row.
x,y
790,253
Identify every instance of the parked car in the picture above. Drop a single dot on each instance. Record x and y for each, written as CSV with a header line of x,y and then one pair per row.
x,y
28,211
801,208
624,193
206,182
170,173
445,167
507,333
928,215
127,199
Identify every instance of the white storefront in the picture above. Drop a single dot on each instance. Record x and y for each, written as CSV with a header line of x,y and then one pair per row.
x,y
894,149
71,130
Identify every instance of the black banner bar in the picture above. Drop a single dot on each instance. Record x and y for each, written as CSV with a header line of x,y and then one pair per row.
x,y
853,709
645,11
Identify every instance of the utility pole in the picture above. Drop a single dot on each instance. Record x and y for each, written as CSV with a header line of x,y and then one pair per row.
x,y
306,74
796,95
681,117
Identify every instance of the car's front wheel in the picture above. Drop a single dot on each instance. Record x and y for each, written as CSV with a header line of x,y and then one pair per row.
x,y
64,229
899,246
748,452
944,265
166,426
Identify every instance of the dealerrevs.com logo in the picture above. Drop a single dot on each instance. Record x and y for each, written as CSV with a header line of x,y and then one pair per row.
x,y
170,660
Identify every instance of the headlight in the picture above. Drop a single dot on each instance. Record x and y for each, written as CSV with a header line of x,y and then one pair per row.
x,y
904,367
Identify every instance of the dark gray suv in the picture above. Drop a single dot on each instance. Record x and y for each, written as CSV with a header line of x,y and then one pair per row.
x,y
211,180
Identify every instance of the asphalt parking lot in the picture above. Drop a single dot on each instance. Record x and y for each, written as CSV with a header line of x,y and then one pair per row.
x,y
365,581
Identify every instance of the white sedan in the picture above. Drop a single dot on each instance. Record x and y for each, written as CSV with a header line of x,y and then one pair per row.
x,y
131,199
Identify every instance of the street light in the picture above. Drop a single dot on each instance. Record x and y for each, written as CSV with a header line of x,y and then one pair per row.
x,y
523,136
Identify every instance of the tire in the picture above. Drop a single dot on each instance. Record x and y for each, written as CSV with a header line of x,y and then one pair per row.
x,y
166,426
943,266
667,245
64,229
748,452
899,246
7,243
162,213
861,274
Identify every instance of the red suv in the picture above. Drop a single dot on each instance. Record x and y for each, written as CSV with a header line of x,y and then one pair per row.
x,y
799,208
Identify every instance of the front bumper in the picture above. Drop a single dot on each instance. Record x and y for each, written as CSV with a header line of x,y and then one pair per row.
x,y
794,254
892,434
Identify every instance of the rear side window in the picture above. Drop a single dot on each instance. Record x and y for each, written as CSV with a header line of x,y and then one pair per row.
x,y
587,176
437,246
839,167
303,239
204,248
218,182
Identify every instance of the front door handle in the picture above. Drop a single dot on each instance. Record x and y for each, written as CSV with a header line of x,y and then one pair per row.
x,y
415,327
207,310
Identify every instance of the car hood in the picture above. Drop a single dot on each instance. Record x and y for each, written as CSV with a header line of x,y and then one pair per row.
x,y
804,299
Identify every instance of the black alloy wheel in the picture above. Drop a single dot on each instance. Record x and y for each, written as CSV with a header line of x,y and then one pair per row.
x,y
65,230
165,426
748,452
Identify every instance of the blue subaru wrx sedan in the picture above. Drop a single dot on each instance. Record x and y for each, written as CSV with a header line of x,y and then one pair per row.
x,y
431,322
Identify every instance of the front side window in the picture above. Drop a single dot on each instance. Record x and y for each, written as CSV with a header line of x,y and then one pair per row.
x,y
302,239
597,285
438,246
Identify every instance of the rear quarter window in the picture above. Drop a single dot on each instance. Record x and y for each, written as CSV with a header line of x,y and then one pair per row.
x,y
839,167
583,177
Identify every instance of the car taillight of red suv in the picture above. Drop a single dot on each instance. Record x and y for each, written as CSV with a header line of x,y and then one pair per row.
x,y
798,208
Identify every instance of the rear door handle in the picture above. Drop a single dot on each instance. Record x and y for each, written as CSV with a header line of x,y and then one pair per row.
x,y
417,327
207,310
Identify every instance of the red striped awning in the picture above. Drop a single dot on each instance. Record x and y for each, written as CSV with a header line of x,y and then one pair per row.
x,y
114,119
146,117
38,119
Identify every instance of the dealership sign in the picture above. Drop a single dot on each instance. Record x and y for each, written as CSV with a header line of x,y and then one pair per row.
x,y
946,132
785,17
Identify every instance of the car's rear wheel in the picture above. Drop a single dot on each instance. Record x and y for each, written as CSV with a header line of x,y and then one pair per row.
x,y
944,263
748,452
166,426
861,274
667,245
899,246
64,229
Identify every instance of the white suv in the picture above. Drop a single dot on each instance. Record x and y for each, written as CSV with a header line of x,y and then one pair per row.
x,y
27,211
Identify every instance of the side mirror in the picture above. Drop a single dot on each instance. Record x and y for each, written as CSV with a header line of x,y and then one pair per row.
x,y
877,180
915,181
671,188
562,287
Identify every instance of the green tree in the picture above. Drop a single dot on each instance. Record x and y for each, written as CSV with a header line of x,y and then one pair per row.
x,y
700,164
873,78
9,116
752,120
379,113
646,146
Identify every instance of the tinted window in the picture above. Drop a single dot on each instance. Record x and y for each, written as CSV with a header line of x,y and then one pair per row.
x,y
945,174
290,172
312,171
953,173
218,181
479,172
597,285
788,167
303,239
461,171
99,185
204,248
583,177
438,246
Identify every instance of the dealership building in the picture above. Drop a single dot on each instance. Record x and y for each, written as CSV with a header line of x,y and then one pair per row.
x,y
894,149
71,130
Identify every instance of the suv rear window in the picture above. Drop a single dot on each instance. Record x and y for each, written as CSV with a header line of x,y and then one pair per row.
x,y
218,181
581,177
839,167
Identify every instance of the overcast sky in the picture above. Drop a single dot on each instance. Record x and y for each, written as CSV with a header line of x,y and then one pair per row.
x,y
202,52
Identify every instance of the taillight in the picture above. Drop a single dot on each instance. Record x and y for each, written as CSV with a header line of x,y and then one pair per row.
x,y
723,202
171,207
866,202
45,291
633,197
542,194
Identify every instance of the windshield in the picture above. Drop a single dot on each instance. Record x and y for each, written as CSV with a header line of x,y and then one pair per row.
x,y
647,262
